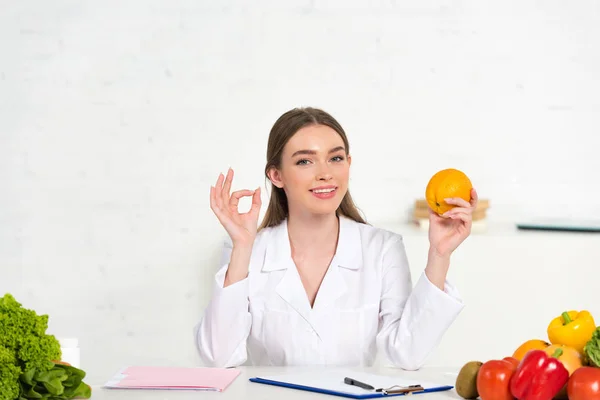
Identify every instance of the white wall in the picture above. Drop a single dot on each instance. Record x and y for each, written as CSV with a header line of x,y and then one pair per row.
x,y
116,117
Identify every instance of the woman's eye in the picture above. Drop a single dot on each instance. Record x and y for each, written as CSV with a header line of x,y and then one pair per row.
x,y
302,162
338,158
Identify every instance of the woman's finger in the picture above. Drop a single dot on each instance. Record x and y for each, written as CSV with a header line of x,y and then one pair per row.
x,y
221,216
458,210
474,198
457,201
461,216
227,186
256,203
237,195
213,204
218,191
256,200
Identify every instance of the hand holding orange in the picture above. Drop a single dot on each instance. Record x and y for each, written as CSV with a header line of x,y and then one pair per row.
x,y
445,184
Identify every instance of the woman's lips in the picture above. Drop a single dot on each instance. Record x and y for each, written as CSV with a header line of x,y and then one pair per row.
x,y
326,192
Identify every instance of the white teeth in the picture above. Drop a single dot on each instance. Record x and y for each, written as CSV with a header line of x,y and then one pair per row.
x,y
324,190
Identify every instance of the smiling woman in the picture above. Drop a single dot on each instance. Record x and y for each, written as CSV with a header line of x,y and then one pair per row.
x,y
308,152
315,284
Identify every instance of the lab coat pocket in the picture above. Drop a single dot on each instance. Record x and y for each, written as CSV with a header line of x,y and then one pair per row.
x,y
277,335
354,333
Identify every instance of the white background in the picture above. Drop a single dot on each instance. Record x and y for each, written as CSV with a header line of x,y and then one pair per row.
x,y
117,116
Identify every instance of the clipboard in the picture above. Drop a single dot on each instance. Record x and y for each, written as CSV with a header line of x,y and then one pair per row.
x,y
331,382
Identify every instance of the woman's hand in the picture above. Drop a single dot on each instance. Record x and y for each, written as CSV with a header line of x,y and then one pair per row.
x,y
448,231
241,228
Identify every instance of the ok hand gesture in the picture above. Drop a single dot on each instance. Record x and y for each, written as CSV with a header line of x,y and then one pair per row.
x,y
241,228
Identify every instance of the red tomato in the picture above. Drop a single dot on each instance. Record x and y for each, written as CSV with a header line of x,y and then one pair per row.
x,y
493,379
584,384
513,361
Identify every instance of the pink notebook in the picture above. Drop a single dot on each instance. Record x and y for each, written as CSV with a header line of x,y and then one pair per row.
x,y
175,378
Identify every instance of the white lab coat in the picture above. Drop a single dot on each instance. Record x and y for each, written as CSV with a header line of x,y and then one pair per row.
x,y
366,301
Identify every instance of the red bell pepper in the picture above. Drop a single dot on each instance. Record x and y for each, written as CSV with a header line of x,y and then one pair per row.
x,y
539,376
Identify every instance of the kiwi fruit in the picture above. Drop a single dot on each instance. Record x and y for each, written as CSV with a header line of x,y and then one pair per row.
x,y
466,381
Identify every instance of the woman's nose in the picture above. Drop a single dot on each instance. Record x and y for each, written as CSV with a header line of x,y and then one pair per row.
x,y
324,174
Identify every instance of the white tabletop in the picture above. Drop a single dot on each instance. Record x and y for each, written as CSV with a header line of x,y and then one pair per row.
x,y
242,388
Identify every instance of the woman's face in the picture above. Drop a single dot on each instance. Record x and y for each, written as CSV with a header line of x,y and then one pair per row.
x,y
314,170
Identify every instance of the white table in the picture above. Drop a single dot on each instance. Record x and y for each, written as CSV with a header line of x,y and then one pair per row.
x,y
242,388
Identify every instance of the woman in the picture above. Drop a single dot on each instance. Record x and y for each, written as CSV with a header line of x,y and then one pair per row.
x,y
316,285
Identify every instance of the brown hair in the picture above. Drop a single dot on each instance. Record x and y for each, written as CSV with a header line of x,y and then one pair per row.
x,y
282,131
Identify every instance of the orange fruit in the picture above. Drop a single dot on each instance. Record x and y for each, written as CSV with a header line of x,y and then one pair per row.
x,y
570,357
445,184
533,344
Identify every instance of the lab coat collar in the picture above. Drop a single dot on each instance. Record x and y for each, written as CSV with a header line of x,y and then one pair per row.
x,y
290,288
348,254
349,248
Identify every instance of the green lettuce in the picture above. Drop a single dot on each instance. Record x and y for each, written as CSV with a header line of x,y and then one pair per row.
x,y
592,349
29,367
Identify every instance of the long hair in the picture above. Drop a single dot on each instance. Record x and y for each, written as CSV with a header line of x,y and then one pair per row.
x,y
282,131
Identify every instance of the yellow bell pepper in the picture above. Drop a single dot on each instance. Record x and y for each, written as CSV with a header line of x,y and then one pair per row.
x,y
573,329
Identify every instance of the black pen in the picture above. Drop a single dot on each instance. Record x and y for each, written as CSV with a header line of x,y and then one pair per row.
x,y
354,382
401,389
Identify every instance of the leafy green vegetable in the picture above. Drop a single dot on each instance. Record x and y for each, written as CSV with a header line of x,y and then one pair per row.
x,y
62,382
592,349
9,375
27,358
